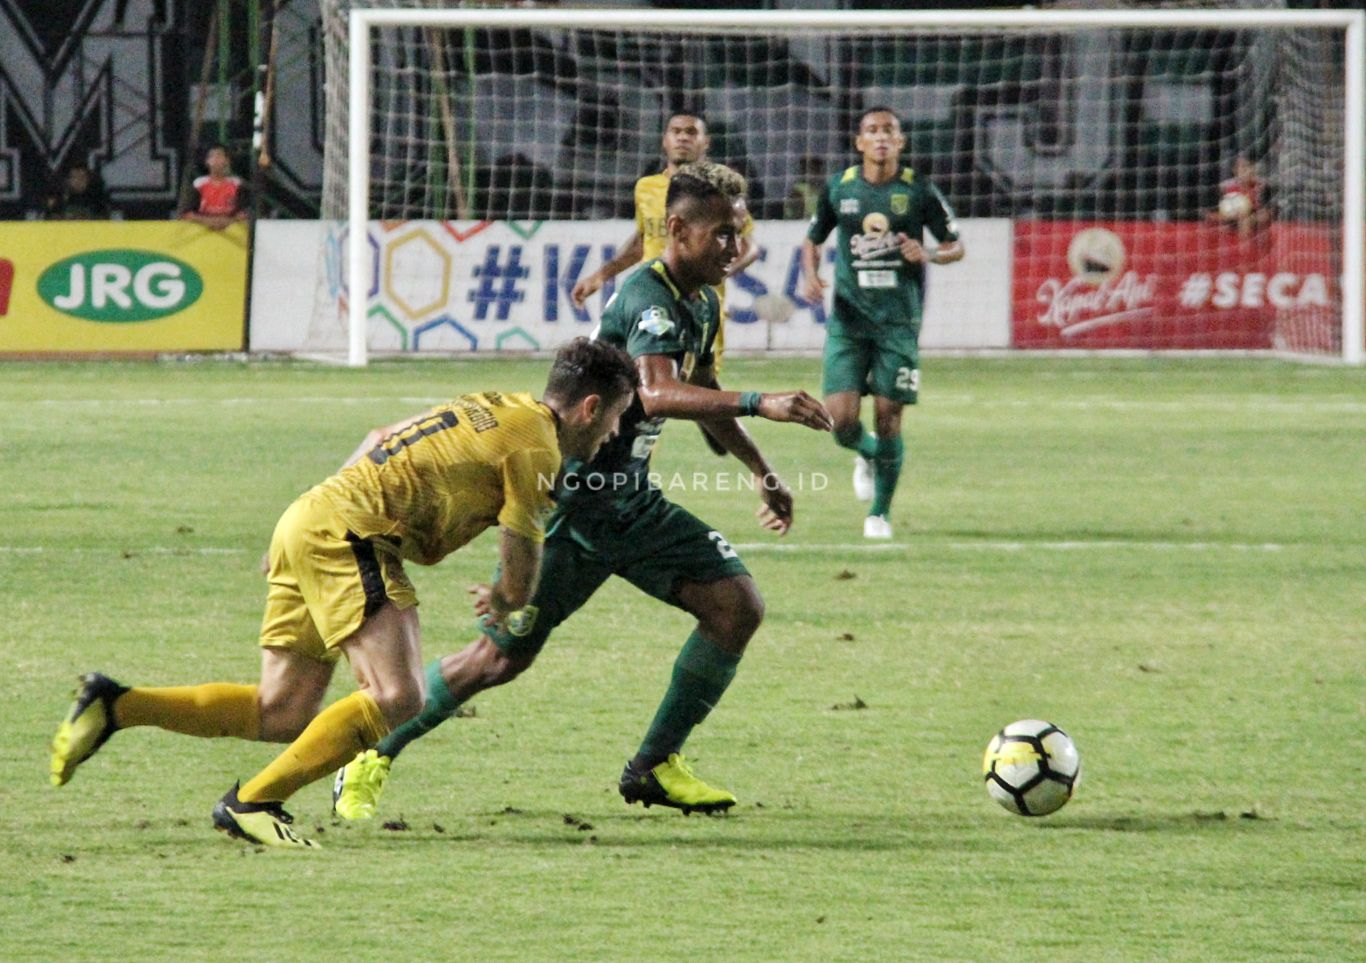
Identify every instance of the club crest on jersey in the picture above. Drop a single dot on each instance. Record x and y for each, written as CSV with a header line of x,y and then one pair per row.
x,y
522,621
656,321
901,203
849,205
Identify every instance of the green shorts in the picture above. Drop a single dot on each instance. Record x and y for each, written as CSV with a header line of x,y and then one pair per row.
x,y
654,545
887,365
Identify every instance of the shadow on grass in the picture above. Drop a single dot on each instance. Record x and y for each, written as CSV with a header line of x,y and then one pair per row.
x,y
764,830
1188,822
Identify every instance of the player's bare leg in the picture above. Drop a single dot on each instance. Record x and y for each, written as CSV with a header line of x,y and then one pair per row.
x,y
385,655
275,710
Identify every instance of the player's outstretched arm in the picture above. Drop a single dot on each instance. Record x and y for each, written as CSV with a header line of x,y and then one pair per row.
x,y
664,395
775,513
519,562
629,254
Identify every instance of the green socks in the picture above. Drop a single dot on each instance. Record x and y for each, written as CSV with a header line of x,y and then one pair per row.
x,y
439,707
701,674
887,460
856,439
886,456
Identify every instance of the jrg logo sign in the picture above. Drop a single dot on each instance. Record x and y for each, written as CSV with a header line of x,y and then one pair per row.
x,y
119,286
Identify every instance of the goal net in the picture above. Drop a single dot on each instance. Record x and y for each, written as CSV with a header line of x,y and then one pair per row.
x,y
1123,180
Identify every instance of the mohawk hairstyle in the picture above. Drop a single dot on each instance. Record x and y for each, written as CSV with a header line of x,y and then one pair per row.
x,y
702,179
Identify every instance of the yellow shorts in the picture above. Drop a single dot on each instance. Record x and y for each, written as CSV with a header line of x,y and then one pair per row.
x,y
325,580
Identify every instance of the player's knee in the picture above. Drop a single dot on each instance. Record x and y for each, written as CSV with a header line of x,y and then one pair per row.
x,y
398,699
848,433
283,717
750,613
499,668
736,617
398,704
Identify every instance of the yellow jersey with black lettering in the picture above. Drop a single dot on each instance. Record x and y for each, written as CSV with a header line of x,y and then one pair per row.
x,y
652,223
481,460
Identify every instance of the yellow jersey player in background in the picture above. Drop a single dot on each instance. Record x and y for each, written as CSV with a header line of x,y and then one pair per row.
x,y
416,491
685,140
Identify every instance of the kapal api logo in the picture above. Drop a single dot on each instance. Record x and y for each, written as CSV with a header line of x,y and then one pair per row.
x,y
119,286
1100,292
875,237
1096,255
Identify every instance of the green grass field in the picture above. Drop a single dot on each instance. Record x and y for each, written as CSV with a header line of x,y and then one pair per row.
x,y
1165,557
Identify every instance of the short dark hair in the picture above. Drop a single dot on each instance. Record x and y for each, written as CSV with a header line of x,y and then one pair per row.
x,y
875,109
586,367
701,180
685,113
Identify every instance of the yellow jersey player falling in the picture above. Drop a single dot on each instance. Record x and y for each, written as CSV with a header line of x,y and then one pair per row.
x,y
415,490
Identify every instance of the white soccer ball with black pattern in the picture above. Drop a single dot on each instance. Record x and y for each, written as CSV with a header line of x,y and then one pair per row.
x,y
1031,767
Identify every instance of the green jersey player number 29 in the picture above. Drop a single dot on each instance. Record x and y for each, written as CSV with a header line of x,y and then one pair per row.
x,y
880,211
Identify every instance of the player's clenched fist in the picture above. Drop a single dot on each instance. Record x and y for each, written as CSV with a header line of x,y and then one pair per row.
x,y
912,250
795,406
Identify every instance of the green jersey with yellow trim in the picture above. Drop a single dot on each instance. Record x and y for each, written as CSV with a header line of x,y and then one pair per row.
x,y
648,315
875,286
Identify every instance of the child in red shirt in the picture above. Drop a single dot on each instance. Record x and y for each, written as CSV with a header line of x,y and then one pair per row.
x,y
222,194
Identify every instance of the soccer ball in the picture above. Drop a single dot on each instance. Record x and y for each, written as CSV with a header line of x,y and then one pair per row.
x,y
1031,767
776,308
1235,206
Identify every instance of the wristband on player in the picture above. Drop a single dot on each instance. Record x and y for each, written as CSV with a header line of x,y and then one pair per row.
x,y
749,402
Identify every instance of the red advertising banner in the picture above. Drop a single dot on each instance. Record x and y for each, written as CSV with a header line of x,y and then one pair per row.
x,y
1124,284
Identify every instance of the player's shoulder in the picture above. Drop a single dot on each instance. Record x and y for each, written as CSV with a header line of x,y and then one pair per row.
x,y
653,183
517,415
647,286
650,282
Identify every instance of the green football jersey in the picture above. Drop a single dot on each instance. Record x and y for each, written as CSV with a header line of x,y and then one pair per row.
x,y
874,285
648,315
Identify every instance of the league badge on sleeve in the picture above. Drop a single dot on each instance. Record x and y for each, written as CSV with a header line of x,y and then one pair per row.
x,y
656,321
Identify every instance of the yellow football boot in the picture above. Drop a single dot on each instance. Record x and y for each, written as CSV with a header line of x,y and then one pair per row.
x,y
88,725
672,783
356,790
265,824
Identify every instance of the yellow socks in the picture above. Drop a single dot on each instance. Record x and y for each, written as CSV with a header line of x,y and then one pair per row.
x,y
213,710
346,727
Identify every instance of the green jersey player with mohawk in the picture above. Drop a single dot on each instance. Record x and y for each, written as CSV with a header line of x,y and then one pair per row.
x,y
880,211
611,519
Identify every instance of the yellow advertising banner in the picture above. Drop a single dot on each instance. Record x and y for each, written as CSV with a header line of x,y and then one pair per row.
x,y
69,287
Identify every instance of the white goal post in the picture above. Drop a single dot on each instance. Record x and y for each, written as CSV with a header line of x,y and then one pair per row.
x,y
790,23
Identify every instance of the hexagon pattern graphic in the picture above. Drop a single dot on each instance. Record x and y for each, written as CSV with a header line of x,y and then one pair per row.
x,y
417,276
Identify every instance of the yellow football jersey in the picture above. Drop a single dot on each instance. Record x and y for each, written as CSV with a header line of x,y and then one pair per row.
x,y
480,460
651,222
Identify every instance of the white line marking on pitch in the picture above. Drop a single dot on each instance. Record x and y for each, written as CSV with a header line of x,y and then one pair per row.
x,y
789,547
140,550
1329,404
308,400
1003,546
